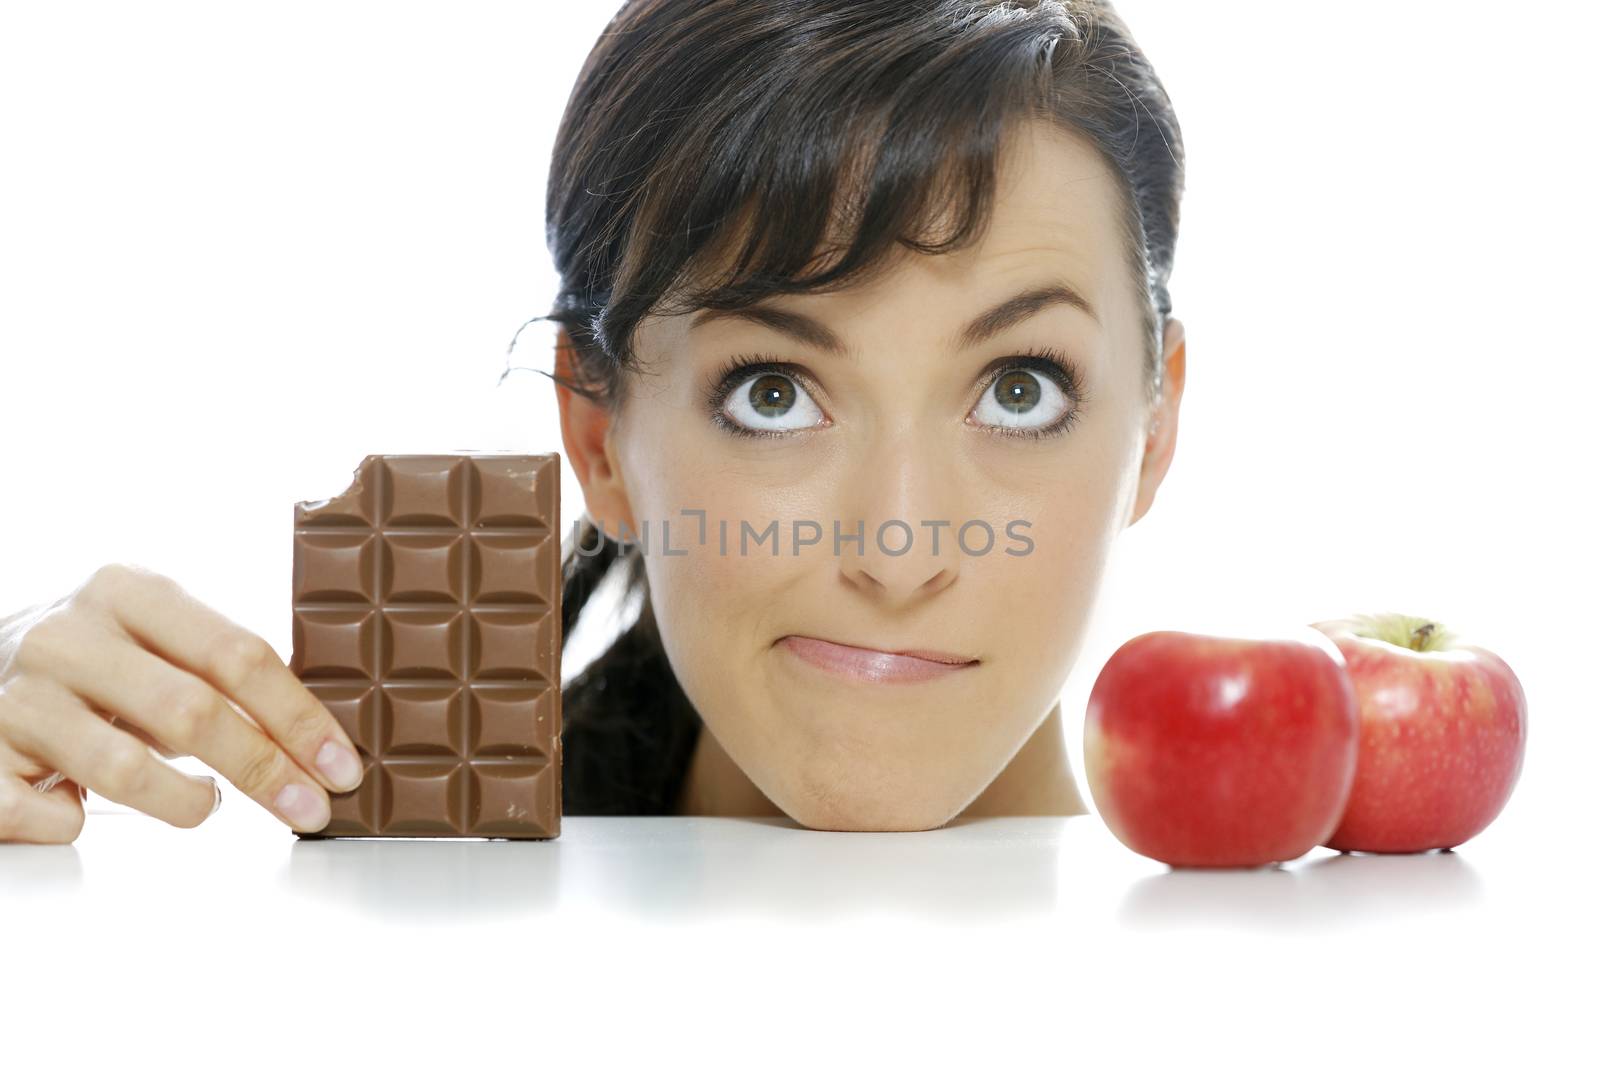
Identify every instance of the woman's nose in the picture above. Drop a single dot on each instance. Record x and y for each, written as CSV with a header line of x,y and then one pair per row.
x,y
898,579
898,543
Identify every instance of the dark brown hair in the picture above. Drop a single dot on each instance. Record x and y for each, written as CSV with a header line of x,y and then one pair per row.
x,y
717,152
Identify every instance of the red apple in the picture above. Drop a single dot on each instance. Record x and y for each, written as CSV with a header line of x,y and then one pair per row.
x,y
1206,750
1443,727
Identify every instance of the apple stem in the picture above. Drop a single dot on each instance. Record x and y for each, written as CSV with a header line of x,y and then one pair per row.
x,y
1407,631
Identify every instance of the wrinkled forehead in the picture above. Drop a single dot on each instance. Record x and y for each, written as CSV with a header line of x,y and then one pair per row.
x,y
1055,192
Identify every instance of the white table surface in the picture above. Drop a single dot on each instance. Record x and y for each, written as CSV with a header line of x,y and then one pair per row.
x,y
756,940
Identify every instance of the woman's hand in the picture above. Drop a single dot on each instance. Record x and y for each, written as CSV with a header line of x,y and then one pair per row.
x,y
129,662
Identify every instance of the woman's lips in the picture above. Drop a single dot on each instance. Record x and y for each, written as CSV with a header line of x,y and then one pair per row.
x,y
875,665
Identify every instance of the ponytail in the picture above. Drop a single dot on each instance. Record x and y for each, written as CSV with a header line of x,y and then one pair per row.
x,y
628,729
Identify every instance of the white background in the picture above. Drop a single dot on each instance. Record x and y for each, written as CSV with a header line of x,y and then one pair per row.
x,y
243,245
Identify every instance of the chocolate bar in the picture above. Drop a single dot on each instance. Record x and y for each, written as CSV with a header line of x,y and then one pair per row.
x,y
427,615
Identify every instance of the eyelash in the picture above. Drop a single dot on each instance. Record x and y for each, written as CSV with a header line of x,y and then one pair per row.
x,y
1048,361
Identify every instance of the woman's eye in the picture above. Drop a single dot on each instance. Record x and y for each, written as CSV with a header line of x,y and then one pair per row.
x,y
1021,399
770,401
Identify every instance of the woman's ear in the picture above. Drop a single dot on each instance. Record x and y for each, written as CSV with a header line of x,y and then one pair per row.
x,y
586,435
1162,437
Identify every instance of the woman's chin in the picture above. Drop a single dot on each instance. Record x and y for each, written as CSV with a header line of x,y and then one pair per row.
x,y
859,822
833,807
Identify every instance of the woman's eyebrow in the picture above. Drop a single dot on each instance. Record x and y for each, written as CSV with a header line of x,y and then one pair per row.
x,y
810,331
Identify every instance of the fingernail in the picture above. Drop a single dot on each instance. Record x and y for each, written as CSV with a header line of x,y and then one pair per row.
x,y
302,806
217,803
342,766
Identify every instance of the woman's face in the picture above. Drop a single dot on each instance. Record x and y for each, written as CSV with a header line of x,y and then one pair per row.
x,y
930,416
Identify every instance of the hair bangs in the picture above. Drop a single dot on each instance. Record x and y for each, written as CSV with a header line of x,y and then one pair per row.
x,y
832,173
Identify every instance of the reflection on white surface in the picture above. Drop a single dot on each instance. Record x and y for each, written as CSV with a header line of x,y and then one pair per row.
x,y
696,868
426,881
1333,889
671,868
1034,918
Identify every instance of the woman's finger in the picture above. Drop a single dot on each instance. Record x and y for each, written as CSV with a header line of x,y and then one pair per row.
x,y
181,712
160,748
177,627
52,725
